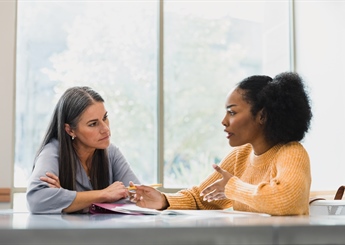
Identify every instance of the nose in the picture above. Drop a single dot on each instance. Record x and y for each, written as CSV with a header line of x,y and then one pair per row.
x,y
225,121
105,127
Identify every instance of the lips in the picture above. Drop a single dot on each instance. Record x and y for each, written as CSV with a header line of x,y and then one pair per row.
x,y
105,138
228,134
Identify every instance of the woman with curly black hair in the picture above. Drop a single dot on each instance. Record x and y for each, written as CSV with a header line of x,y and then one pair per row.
x,y
268,170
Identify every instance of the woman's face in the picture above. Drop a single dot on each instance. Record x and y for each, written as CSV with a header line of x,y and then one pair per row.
x,y
92,131
240,125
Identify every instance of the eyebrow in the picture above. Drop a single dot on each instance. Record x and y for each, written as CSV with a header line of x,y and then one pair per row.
x,y
229,106
95,120
92,120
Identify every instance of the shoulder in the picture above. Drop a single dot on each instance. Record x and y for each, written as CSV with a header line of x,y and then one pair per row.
x,y
243,150
114,153
112,149
49,154
292,147
239,152
293,150
51,148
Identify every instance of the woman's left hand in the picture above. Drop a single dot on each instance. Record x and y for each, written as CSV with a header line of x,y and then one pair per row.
x,y
216,191
52,180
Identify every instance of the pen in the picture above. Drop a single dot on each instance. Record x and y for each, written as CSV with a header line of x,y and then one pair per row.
x,y
152,185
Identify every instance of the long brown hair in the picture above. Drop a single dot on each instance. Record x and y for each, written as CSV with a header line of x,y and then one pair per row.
x,y
68,110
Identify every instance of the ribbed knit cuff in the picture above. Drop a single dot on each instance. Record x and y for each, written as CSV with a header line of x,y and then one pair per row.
x,y
177,201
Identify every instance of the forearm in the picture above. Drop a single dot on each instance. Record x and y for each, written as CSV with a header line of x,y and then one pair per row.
x,y
84,200
273,198
190,199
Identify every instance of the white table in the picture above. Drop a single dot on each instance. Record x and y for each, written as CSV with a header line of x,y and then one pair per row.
x,y
24,228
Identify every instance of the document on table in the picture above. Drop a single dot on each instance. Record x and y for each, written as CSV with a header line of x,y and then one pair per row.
x,y
133,209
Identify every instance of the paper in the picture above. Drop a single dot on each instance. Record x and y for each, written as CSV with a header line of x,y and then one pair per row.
x,y
136,210
97,208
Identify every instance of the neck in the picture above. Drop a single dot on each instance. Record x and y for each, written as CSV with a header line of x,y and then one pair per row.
x,y
262,148
85,157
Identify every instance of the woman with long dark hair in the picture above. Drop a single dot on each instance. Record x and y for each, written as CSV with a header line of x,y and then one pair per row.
x,y
76,164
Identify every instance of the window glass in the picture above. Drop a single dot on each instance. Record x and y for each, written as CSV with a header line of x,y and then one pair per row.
x,y
208,48
110,46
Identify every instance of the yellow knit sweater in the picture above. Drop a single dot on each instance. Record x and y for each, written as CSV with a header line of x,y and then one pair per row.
x,y
276,182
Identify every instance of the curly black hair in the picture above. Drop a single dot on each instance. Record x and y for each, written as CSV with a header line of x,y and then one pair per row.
x,y
284,102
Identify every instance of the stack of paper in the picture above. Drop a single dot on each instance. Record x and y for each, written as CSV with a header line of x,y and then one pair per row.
x,y
135,210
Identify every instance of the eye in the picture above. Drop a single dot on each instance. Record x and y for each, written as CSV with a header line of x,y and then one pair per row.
x,y
92,124
232,113
105,117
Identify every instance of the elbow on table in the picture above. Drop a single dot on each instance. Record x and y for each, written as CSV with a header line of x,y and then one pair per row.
x,y
33,204
37,205
292,208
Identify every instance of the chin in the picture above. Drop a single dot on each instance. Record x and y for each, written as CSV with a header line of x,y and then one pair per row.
x,y
104,145
233,144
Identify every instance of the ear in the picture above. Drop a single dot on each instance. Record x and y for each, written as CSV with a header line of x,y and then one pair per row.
x,y
69,130
261,117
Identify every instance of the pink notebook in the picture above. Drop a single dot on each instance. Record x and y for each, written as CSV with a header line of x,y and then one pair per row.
x,y
120,208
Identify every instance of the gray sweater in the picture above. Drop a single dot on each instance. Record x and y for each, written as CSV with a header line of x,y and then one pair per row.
x,y
42,199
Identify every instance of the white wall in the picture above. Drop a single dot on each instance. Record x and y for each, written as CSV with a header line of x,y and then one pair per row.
x,y
320,52
7,84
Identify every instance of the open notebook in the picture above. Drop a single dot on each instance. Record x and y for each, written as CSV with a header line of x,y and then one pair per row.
x,y
132,209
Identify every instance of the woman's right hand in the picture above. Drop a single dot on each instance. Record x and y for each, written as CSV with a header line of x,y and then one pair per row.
x,y
149,197
115,192
52,180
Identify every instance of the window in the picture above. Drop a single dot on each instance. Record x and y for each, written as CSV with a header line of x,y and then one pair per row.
x,y
208,48
110,46
113,46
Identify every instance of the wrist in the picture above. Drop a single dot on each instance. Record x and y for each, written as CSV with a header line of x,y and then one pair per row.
x,y
165,203
102,195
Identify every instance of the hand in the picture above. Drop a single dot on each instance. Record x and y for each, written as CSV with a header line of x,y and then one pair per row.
x,y
115,192
148,197
131,193
52,180
216,191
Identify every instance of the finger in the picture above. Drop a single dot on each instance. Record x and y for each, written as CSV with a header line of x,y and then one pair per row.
x,y
219,196
137,201
218,169
144,188
125,194
209,196
47,180
118,183
132,199
52,176
207,190
131,196
135,198
132,187
140,202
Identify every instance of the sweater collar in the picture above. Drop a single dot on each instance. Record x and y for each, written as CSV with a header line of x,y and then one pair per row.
x,y
265,157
